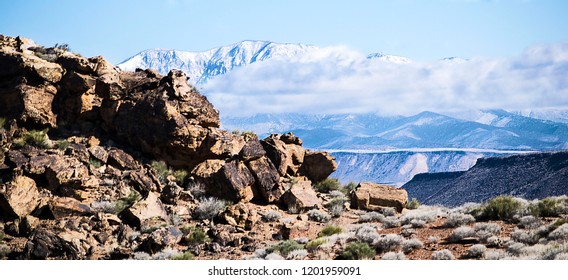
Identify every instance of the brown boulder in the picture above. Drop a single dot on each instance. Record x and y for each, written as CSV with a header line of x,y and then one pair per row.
x,y
227,180
122,160
252,149
65,207
285,151
19,197
66,171
268,187
374,197
240,215
99,153
301,196
147,213
318,165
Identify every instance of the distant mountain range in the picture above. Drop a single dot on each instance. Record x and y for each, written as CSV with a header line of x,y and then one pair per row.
x,y
359,141
202,66
530,176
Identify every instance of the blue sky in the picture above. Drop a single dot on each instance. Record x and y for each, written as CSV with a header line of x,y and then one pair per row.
x,y
421,30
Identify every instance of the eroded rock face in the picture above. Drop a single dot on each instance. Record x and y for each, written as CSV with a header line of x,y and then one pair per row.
x,y
19,197
373,197
229,180
147,213
285,151
301,197
318,165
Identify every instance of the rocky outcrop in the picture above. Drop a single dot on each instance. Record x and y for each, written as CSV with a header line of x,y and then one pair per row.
x,y
98,163
374,197
19,197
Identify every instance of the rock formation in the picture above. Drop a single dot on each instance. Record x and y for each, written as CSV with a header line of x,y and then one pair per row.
x,y
90,155
374,197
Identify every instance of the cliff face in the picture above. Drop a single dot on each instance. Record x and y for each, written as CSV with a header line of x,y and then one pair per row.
x,y
530,176
80,138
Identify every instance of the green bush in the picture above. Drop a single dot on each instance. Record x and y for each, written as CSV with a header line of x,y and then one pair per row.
x,y
185,256
196,236
330,230
413,204
3,122
95,162
357,251
62,144
161,168
349,187
285,247
547,207
37,138
315,243
180,176
501,208
127,201
327,185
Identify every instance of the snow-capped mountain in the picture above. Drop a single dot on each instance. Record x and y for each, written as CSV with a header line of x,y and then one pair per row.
x,y
497,130
201,66
389,58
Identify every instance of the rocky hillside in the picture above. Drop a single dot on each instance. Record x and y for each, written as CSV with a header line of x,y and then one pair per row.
x,y
90,153
531,176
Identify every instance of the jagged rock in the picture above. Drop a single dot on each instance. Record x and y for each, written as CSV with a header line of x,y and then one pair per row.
x,y
318,165
162,238
294,230
285,152
268,187
99,153
240,215
39,163
19,197
75,63
47,244
147,213
222,144
78,151
66,171
120,159
252,150
62,207
301,196
374,197
17,159
28,225
228,180
143,182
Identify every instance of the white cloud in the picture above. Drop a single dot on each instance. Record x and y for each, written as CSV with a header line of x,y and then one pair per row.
x,y
339,80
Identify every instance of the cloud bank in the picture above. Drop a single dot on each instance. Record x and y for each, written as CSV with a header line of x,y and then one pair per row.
x,y
340,80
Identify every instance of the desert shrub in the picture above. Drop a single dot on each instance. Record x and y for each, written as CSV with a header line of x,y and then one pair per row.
x,y
371,217
547,207
328,185
335,206
515,248
392,256
3,122
184,256
501,208
493,241
462,233
411,245
407,232
413,204
349,187
180,176
424,213
37,138
197,190
293,209
330,230
484,231
196,236
389,242
337,194
458,219
302,240
274,257
391,222
443,255
560,233
127,201
209,208
62,144
285,247
104,206
161,169
272,216
524,237
167,254
357,251
529,222
562,256
476,251
318,216
388,211
297,255
433,239
493,255
313,244
367,234
4,250
415,223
